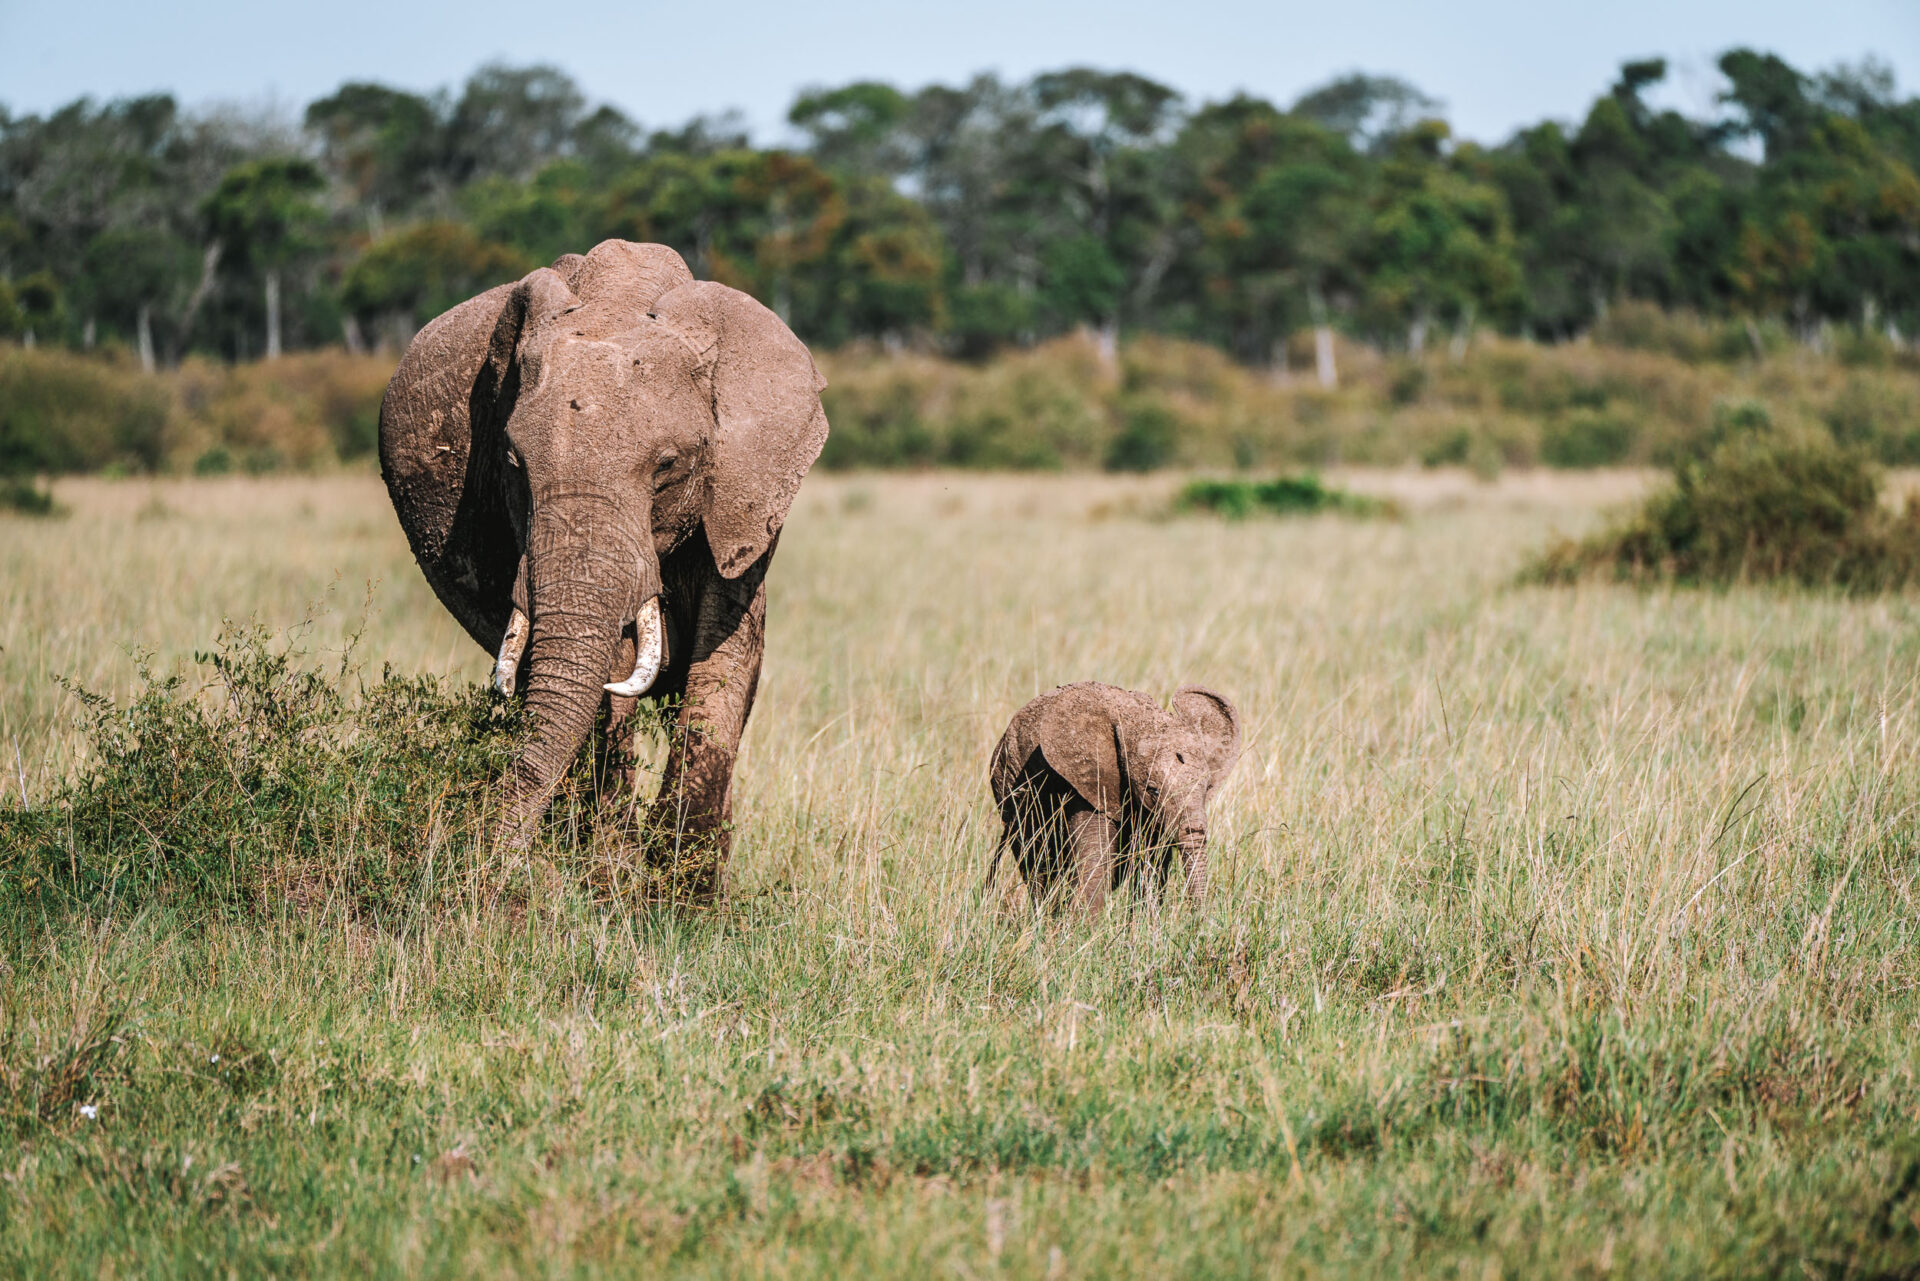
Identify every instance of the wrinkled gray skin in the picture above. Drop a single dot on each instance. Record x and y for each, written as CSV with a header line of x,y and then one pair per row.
x,y
1097,784
599,434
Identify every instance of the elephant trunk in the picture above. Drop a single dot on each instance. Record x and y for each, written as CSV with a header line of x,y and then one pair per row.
x,y
1193,856
586,583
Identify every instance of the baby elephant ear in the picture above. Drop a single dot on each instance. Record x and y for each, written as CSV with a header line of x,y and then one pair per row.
x,y
1081,739
1212,717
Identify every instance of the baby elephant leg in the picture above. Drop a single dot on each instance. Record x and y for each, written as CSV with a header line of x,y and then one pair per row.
x,y
1091,834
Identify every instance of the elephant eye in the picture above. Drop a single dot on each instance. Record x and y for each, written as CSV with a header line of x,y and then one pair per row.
x,y
666,463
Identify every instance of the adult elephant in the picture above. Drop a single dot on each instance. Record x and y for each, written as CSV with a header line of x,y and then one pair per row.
x,y
592,466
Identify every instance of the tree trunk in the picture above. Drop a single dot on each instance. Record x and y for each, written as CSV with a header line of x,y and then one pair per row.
x,y
1322,341
209,262
1417,335
88,332
143,331
1323,357
273,314
350,329
1462,336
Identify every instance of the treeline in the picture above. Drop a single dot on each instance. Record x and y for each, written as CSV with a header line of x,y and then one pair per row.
x,y
967,219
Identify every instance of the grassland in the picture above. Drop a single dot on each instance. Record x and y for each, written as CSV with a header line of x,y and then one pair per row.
x,y
1561,931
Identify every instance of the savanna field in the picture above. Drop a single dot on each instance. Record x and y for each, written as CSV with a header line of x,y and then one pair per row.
x,y
1556,930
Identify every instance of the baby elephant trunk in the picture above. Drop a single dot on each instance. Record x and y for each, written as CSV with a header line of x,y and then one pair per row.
x,y
1193,856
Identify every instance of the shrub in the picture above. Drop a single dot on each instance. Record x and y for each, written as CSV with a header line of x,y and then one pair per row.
x,y
1764,504
1149,433
60,412
291,784
18,494
1587,438
1301,495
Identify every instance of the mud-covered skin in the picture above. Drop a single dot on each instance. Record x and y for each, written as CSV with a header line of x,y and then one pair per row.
x,y
600,433
1098,784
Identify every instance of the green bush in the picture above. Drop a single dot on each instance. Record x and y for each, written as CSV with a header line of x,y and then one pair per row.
x,y
1764,504
293,783
1302,495
65,413
1587,438
1148,436
20,495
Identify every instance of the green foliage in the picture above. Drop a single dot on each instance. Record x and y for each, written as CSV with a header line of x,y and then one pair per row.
x,y
1587,438
280,780
61,412
1077,197
425,270
1302,495
21,496
1763,504
1148,437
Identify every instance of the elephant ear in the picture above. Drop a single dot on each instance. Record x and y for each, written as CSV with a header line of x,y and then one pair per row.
x,y
768,423
441,396
1214,722
1083,743
540,297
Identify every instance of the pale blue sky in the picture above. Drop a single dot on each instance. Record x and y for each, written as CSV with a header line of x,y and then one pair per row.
x,y
1495,63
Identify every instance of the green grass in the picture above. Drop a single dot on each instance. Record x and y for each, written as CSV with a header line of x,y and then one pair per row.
x,y
1557,931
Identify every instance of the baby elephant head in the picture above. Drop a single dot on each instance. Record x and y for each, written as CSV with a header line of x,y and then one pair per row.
x,y
1175,764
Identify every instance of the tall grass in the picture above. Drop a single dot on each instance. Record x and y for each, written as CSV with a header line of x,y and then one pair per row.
x,y
1555,930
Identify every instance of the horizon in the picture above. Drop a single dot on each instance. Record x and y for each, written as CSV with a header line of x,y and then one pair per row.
x,y
1487,88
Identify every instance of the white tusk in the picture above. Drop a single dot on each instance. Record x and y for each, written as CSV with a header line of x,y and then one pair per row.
x,y
507,666
650,652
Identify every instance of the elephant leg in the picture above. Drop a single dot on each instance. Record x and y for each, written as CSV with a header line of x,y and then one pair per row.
x,y
689,821
1090,836
1030,832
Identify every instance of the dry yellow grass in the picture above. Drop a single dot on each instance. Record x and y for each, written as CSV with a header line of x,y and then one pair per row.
x,y
1554,929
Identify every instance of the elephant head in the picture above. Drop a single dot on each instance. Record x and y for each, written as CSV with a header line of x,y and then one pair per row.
x,y
618,411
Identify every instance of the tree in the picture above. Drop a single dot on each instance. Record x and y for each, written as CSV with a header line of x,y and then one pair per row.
x,y
265,217
1368,111
418,273
856,129
1437,244
386,149
510,121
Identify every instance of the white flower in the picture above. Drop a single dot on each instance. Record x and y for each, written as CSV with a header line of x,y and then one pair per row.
x,y
90,1110
214,1059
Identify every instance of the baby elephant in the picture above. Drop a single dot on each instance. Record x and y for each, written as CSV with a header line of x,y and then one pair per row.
x,y
1093,781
